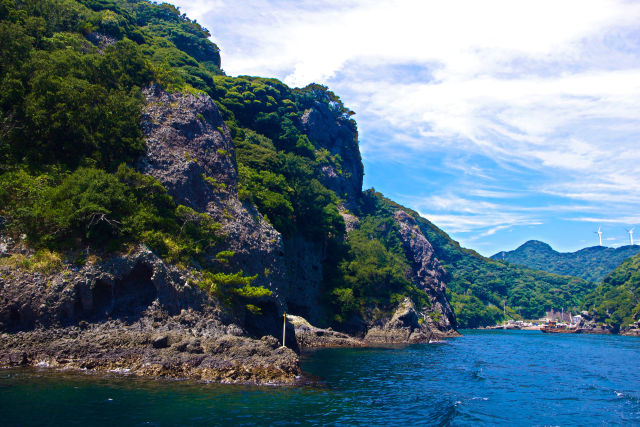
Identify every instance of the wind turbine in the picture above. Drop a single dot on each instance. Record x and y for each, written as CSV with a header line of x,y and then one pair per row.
x,y
630,235
599,233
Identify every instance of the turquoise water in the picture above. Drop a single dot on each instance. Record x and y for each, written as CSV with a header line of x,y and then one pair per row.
x,y
485,377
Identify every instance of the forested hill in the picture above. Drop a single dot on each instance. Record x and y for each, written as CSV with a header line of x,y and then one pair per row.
x,y
119,130
616,301
591,264
479,286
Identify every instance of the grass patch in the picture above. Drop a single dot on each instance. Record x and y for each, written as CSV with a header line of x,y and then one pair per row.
x,y
44,261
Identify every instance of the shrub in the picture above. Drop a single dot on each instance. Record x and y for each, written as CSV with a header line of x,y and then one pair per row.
x,y
43,261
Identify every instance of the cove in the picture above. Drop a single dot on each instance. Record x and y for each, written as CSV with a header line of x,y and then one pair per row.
x,y
481,378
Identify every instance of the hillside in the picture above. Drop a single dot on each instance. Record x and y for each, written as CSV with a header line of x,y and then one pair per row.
x,y
591,264
155,209
479,286
616,301
166,216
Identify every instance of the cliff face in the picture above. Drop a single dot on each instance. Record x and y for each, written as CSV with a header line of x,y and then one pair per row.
x,y
190,151
427,273
407,323
189,146
338,135
91,306
134,313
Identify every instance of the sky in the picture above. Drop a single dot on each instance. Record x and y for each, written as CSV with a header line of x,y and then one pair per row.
x,y
500,121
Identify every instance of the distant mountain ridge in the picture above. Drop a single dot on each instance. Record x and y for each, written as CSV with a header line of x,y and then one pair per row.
x,y
592,263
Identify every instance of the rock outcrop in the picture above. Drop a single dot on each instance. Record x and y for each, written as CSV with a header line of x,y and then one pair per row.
x,y
122,286
309,336
587,325
427,274
632,330
338,135
407,324
131,314
190,151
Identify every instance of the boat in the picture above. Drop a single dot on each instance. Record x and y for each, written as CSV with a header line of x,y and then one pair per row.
x,y
553,328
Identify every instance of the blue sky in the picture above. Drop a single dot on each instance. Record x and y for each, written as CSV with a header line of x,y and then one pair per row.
x,y
500,121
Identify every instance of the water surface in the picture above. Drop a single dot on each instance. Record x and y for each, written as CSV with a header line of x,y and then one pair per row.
x,y
484,377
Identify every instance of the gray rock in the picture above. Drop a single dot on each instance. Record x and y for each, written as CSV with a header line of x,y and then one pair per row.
x,y
427,274
338,135
161,341
308,336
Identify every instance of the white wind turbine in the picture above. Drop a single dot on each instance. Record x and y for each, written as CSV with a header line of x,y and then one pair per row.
x,y
631,235
599,233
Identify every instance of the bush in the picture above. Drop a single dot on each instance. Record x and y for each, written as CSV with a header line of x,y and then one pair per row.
x,y
43,261
233,289
98,208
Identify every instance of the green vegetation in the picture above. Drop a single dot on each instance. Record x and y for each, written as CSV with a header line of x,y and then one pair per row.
x,y
71,79
616,301
278,164
57,210
371,274
591,264
374,275
478,287
43,261
233,289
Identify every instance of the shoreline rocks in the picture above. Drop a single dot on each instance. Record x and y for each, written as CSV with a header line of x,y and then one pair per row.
x,y
191,345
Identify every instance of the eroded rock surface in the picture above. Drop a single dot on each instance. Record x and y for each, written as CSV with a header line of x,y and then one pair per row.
x,y
338,135
427,273
309,336
190,151
131,314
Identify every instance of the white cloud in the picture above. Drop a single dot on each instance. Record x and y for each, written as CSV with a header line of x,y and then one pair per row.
x,y
545,87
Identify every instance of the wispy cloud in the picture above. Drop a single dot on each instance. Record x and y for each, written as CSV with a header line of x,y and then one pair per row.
x,y
539,97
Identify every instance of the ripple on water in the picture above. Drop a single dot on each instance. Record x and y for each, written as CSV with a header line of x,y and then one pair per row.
x,y
482,378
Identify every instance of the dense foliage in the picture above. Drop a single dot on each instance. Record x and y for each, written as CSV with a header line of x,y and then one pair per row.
x,y
591,264
278,164
71,74
90,206
616,301
374,274
67,101
479,287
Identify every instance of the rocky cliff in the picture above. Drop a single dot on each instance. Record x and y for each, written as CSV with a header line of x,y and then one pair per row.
x,y
255,208
338,135
190,151
131,312
407,324
427,273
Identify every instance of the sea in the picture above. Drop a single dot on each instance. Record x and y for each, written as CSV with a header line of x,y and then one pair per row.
x,y
498,377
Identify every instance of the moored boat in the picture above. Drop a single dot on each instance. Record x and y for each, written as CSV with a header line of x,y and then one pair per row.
x,y
554,328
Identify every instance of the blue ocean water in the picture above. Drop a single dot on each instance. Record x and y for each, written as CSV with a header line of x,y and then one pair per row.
x,y
482,378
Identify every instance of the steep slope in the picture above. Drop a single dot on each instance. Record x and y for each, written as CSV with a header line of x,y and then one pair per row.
x,y
478,286
160,217
616,302
591,264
